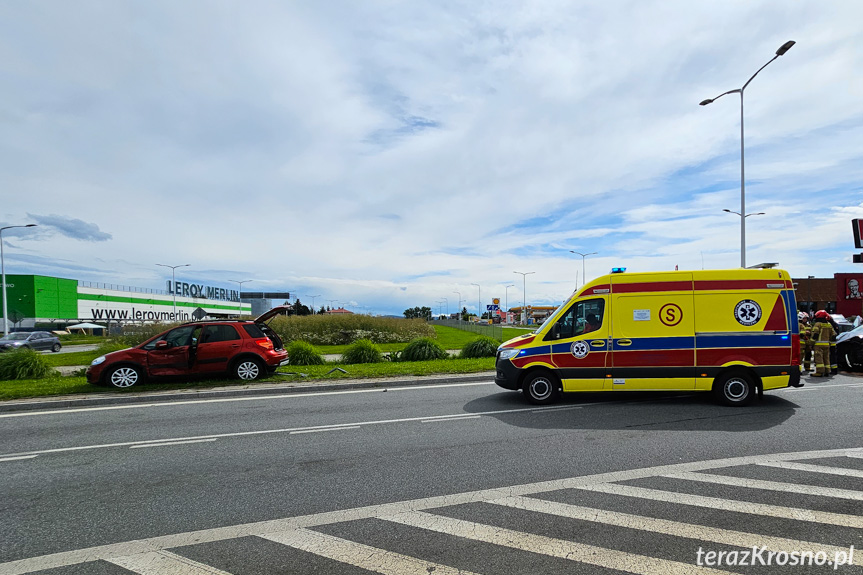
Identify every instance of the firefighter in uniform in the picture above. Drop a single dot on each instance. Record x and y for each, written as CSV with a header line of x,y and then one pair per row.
x,y
834,358
805,342
822,333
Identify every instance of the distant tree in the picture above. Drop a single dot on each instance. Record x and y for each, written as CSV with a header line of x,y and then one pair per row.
x,y
418,313
464,315
322,310
301,309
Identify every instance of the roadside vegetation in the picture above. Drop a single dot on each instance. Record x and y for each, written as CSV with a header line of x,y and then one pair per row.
x,y
426,353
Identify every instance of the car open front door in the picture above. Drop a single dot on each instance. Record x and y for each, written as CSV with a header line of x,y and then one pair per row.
x,y
172,354
579,345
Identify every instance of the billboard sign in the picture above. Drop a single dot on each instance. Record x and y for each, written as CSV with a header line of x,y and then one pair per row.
x,y
858,232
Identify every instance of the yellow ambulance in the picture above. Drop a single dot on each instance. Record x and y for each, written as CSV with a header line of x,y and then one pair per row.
x,y
732,332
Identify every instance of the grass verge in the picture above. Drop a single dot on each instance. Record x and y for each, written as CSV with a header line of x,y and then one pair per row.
x,y
56,385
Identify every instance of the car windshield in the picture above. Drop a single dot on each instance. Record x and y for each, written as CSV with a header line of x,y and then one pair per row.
x,y
16,336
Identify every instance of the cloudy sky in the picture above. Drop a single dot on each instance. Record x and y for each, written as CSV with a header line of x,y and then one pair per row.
x,y
382,154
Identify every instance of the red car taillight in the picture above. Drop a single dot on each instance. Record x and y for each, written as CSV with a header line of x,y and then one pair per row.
x,y
264,343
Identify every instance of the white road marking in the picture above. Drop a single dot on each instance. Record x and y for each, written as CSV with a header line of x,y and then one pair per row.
x,y
359,555
325,429
667,527
814,468
770,485
826,517
559,408
17,458
288,430
302,395
166,443
164,563
454,418
560,548
602,482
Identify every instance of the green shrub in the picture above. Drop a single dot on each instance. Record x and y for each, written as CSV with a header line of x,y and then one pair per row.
x,y
480,347
304,353
362,351
344,329
23,364
423,349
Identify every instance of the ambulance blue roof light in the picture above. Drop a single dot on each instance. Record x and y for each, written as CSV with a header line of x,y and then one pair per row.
x,y
618,270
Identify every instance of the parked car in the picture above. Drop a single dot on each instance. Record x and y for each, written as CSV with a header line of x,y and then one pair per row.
x,y
38,340
849,349
842,323
243,349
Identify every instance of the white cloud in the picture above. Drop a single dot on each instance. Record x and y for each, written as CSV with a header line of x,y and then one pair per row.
x,y
391,153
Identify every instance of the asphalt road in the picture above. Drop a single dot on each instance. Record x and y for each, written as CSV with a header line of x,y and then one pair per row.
x,y
184,487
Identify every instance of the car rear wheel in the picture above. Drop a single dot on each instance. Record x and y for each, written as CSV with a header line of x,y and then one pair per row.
x,y
540,388
124,376
55,348
735,388
249,369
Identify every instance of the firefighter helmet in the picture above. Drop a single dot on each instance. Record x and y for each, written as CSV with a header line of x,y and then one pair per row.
x,y
821,314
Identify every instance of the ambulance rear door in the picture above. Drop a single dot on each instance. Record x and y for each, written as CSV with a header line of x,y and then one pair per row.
x,y
652,332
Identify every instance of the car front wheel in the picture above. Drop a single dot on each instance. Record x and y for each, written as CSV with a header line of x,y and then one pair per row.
x,y
248,369
124,376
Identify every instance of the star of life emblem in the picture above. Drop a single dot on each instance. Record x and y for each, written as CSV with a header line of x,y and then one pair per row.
x,y
747,312
579,349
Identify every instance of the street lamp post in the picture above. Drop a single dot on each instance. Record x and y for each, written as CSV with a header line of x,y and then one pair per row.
x,y
782,49
3,275
478,300
313,301
174,284
524,293
459,304
240,293
583,277
506,298
446,301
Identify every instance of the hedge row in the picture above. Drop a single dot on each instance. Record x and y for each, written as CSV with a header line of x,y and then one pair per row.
x,y
365,351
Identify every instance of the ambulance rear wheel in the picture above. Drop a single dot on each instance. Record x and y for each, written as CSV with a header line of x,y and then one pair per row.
x,y
735,388
541,387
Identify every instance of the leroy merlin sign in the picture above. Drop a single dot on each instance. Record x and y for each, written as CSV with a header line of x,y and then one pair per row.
x,y
184,289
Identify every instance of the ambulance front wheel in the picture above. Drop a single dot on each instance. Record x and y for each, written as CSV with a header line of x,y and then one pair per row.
x,y
735,388
541,387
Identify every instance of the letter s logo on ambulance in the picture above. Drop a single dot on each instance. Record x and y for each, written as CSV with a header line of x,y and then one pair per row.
x,y
747,312
670,314
579,349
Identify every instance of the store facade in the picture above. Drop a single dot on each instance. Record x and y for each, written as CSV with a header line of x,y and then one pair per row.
x,y
52,302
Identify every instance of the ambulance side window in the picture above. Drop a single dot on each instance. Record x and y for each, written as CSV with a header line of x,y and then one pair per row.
x,y
583,317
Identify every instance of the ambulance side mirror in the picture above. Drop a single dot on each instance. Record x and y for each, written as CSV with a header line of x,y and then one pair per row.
x,y
555,331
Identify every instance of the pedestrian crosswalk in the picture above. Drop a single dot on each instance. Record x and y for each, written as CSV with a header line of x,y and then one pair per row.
x,y
782,513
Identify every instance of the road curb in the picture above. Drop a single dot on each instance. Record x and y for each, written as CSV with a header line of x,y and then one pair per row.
x,y
234,391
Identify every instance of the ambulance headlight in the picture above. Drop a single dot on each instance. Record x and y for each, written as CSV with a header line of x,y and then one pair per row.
x,y
508,353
